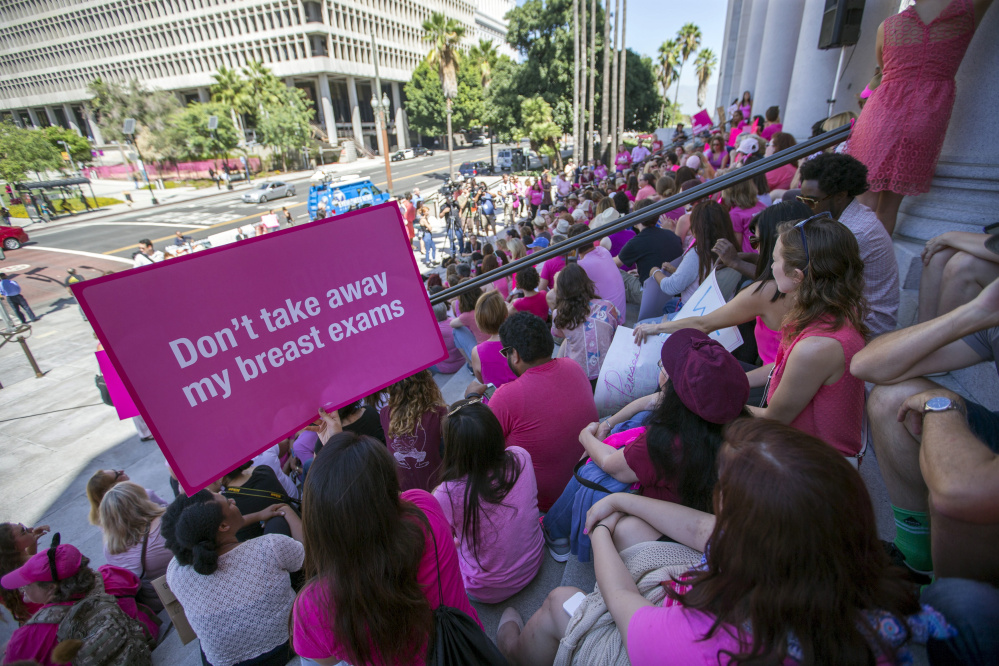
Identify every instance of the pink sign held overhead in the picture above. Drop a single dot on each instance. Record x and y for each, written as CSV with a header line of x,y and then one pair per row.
x,y
227,351
700,121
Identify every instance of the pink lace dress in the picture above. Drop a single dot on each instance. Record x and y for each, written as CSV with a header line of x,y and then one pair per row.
x,y
901,130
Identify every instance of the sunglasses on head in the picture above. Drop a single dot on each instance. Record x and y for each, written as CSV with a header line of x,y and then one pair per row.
x,y
474,400
801,229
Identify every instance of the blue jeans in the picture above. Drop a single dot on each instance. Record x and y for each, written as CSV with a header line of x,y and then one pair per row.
x,y
558,520
455,235
972,608
431,252
464,340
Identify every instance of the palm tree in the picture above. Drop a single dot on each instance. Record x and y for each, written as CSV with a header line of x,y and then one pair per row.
x,y
229,89
605,94
444,35
689,39
669,60
615,84
621,77
575,78
705,63
484,53
593,77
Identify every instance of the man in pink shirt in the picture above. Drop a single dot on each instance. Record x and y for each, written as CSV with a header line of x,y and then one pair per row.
x,y
545,408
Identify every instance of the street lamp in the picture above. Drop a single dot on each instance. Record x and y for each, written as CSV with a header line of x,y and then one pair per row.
x,y
381,108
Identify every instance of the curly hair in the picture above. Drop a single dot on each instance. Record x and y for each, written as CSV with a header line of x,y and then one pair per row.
x,y
833,282
190,529
76,586
529,335
836,173
10,559
528,278
411,398
126,513
575,291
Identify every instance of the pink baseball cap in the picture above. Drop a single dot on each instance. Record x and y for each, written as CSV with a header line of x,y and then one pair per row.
x,y
65,560
706,377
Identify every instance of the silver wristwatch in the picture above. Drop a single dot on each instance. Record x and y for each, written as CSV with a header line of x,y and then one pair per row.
x,y
941,404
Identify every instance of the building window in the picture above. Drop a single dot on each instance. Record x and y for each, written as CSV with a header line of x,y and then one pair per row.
x,y
318,44
313,12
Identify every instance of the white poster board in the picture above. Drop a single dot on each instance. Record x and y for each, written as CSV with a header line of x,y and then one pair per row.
x,y
706,299
631,371
270,221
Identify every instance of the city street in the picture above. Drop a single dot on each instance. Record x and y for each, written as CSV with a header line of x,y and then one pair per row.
x,y
118,235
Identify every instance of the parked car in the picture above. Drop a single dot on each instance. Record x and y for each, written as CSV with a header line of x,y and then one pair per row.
x,y
13,237
264,192
482,140
420,150
472,169
406,154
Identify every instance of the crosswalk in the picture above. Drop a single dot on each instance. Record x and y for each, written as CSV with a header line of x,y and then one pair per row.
x,y
201,218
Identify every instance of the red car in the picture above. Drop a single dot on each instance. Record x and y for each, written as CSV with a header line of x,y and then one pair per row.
x,y
12,237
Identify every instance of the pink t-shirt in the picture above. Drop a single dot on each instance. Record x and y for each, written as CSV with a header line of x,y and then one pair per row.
x,y
741,218
313,637
645,192
550,268
468,319
781,177
599,265
454,360
544,412
502,286
537,305
510,546
495,369
769,131
622,161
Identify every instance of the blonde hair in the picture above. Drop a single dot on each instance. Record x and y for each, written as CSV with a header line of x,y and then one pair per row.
x,y
517,249
604,204
409,399
741,195
837,121
490,312
126,513
98,484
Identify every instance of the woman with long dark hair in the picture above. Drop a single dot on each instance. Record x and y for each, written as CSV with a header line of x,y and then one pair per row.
x,y
17,544
817,588
372,560
585,323
817,264
708,223
760,300
489,495
672,457
236,595
412,424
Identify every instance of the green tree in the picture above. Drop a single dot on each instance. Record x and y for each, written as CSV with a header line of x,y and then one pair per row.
x,y
468,106
79,147
540,128
689,39
705,63
287,126
24,150
113,103
484,55
230,90
187,136
263,88
425,105
668,63
642,100
502,103
444,36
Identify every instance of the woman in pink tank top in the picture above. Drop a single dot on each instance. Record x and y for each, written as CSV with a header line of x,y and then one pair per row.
x,y
817,264
488,364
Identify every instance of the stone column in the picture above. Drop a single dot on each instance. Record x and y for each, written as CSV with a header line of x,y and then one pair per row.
x,y
50,114
34,118
754,44
727,59
95,131
355,111
327,102
401,128
740,51
773,78
204,95
812,80
71,118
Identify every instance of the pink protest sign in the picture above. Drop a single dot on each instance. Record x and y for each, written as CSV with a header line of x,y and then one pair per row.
x,y
122,401
230,350
700,121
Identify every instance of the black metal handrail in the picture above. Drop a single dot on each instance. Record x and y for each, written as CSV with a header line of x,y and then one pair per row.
x,y
713,186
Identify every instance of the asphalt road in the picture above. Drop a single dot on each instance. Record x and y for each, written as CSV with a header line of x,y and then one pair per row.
x,y
118,235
